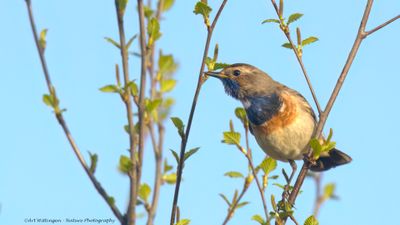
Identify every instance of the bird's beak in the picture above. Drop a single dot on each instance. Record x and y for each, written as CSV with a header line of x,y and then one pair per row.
x,y
216,74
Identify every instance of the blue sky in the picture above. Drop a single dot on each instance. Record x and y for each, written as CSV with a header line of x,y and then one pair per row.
x,y
40,176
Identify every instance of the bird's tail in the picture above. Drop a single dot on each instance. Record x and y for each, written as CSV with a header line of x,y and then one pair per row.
x,y
332,159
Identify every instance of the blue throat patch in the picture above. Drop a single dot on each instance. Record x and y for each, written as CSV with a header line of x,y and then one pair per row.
x,y
263,108
231,87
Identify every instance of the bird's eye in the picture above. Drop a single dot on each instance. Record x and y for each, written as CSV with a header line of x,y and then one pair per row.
x,y
236,72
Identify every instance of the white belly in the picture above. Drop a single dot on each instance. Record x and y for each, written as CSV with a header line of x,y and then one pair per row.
x,y
289,142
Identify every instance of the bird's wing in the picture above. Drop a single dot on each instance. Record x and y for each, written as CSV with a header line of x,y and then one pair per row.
x,y
251,129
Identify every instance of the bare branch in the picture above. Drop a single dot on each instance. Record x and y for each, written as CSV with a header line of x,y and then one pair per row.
x,y
260,189
64,125
381,26
335,92
318,198
191,114
157,180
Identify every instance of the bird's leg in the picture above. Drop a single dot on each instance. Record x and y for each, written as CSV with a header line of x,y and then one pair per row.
x,y
294,169
289,179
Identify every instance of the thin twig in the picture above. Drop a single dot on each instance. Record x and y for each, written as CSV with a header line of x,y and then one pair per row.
x,y
151,52
293,219
142,124
133,189
299,59
318,198
191,114
250,160
157,147
260,189
381,26
158,174
335,92
233,207
63,124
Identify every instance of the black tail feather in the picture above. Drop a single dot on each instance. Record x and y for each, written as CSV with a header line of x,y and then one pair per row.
x,y
335,158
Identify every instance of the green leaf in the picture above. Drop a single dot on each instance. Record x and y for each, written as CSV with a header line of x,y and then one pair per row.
x,y
216,51
328,146
169,178
273,203
167,167
42,39
287,45
153,30
203,9
48,100
225,199
241,114
210,63
234,174
167,85
121,5
315,145
268,165
126,128
148,12
190,153
311,221
240,205
179,125
93,162
129,43
166,64
183,222
258,219
330,135
219,65
134,88
273,177
110,40
271,21
231,138
294,17
167,4
144,192
309,40
110,89
176,156
111,200
125,164
151,105
329,191
317,148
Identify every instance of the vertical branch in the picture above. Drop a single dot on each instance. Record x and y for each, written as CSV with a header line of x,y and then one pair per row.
x,y
157,144
131,213
260,189
158,174
192,110
323,117
63,124
142,87
318,198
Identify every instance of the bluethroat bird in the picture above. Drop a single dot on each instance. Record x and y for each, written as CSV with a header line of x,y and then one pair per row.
x,y
280,118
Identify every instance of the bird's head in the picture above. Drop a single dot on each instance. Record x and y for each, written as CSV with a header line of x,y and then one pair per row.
x,y
243,80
